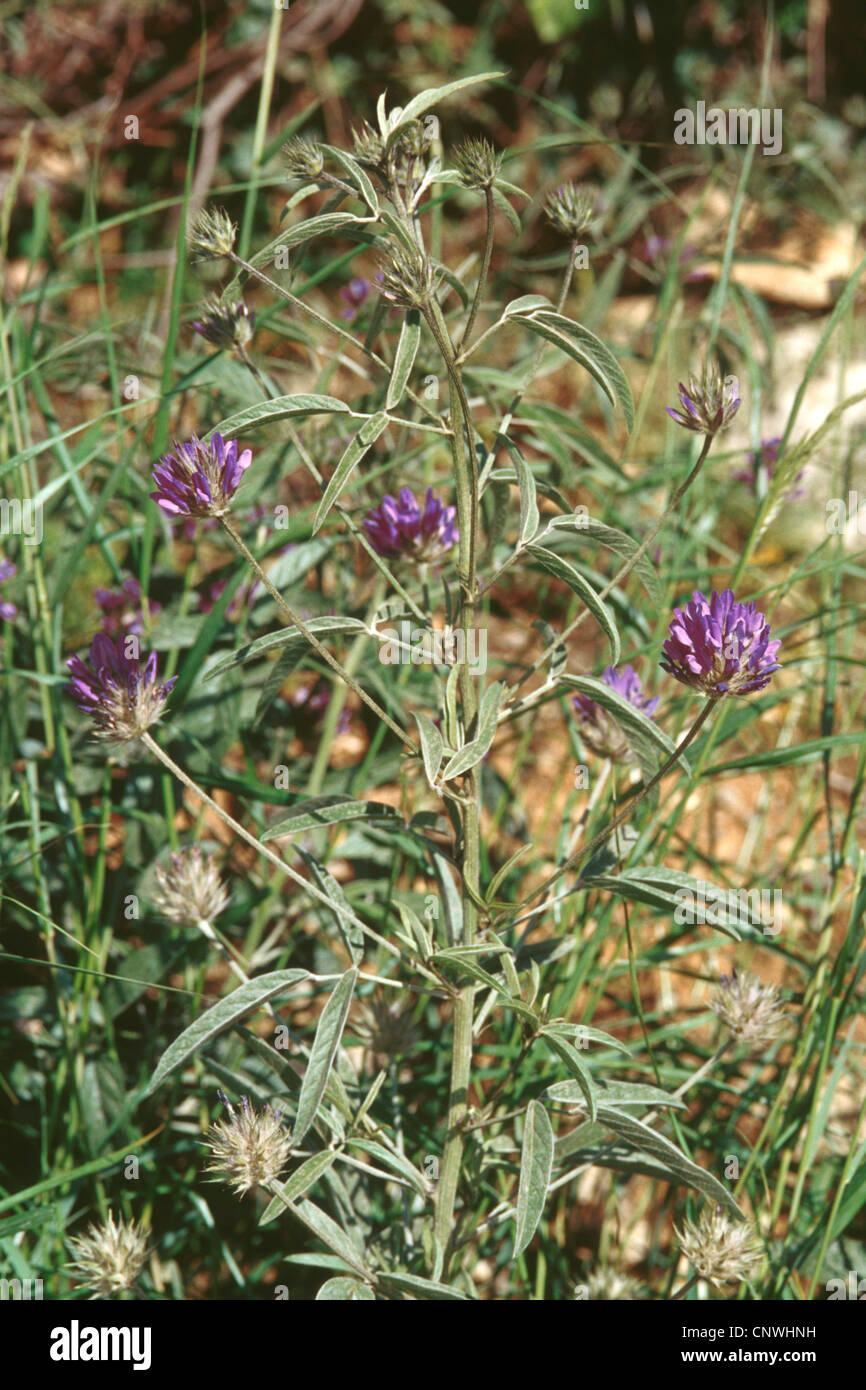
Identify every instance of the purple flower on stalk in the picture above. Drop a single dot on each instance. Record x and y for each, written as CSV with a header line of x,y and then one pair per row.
x,y
719,646
398,528
598,729
200,479
122,697
8,611
709,403
765,460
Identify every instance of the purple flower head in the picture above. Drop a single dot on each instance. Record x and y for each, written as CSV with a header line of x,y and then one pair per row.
x,y
598,729
709,403
226,325
199,479
399,528
122,697
121,608
353,296
719,646
765,461
8,611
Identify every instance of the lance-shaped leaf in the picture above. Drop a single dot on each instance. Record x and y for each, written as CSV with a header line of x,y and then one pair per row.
x,y
331,809
525,304
576,1065
350,931
420,1288
529,517
355,451
587,528
681,1169
289,637
328,1034
280,408
589,351
472,753
618,1094
300,1182
432,746
404,358
536,1164
431,97
555,565
343,1289
222,1015
360,178
650,743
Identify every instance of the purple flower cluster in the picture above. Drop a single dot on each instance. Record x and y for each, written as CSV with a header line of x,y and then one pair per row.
x,y
709,402
8,611
598,729
765,460
122,697
121,608
399,528
200,479
719,646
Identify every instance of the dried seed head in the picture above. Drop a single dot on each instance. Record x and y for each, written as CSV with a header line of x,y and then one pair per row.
x,y
212,236
108,1259
226,325
754,1012
606,1284
478,163
406,278
250,1149
570,210
717,1249
709,403
190,889
303,158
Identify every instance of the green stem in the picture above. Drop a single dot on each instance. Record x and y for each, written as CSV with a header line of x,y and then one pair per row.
x,y
482,276
627,810
296,621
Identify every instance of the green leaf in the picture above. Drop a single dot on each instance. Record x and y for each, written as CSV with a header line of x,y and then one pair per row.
x,y
433,95
536,1165
576,1065
589,351
351,167
555,565
526,304
587,528
682,1169
221,1016
614,1093
432,746
421,1288
471,753
404,358
300,1182
650,743
351,933
280,408
289,637
327,810
595,356
355,451
331,1024
529,517
343,1289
